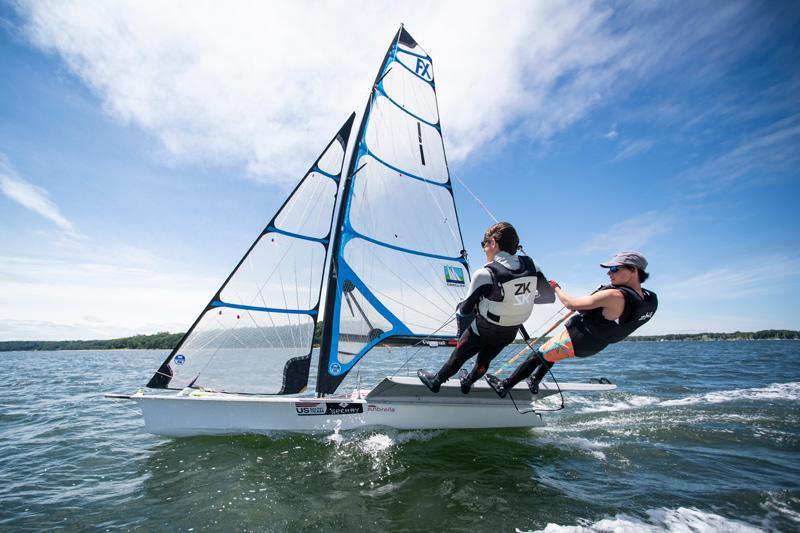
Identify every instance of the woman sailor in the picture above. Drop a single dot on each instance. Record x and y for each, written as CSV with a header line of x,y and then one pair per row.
x,y
501,298
604,317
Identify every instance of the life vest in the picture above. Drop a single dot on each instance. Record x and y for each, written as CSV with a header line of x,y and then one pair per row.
x,y
510,301
590,331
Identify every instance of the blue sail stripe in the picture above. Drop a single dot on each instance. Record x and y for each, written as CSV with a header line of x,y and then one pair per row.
x,y
398,49
311,312
336,367
334,177
370,153
273,229
404,110
401,249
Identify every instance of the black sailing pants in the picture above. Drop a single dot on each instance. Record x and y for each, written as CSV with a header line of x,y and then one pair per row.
x,y
535,364
487,344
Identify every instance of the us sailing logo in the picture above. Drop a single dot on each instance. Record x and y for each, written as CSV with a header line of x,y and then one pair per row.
x,y
454,276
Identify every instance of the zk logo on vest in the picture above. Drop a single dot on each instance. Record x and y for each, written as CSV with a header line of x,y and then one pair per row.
x,y
522,294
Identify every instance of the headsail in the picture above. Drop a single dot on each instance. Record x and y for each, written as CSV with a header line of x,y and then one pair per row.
x,y
398,265
256,333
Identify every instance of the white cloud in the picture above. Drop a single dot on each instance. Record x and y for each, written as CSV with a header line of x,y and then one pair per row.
x,y
630,234
769,274
266,84
31,196
632,148
762,155
45,299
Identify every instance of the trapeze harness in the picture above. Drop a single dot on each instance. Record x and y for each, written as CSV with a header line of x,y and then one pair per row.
x,y
502,307
589,332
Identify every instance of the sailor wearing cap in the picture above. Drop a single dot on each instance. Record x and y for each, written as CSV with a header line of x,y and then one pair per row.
x,y
604,317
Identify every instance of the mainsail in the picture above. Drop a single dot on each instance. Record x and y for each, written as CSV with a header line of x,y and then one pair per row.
x,y
398,266
263,317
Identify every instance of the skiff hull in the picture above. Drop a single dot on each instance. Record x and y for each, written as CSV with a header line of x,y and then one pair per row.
x,y
401,403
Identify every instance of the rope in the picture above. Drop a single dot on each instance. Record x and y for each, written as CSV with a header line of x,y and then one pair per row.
x,y
421,341
530,344
491,215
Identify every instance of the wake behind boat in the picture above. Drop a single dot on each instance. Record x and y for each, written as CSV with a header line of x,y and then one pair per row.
x,y
381,241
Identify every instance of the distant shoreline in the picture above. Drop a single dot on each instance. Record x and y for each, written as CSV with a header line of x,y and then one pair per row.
x,y
167,341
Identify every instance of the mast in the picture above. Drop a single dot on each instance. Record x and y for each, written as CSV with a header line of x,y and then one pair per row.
x,y
330,297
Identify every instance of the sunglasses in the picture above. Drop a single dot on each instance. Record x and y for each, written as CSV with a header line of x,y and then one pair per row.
x,y
485,242
613,269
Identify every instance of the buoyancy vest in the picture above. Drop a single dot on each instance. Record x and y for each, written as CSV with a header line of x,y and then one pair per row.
x,y
510,300
590,331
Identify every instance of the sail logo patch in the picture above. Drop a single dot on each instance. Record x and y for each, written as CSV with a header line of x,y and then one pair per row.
x,y
180,359
422,69
454,275
324,408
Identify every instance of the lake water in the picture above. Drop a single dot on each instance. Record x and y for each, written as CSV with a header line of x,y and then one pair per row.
x,y
698,436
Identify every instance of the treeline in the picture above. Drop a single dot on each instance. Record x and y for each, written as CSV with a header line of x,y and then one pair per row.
x,y
167,341
764,334
158,341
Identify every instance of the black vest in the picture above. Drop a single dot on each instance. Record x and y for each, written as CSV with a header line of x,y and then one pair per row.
x,y
590,331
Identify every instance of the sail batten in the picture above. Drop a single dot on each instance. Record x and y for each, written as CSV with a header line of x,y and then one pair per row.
x,y
218,303
272,229
398,266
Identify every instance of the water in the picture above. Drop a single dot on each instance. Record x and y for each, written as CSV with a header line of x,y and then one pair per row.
x,y
699,436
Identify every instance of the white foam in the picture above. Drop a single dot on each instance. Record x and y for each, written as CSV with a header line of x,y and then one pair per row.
x,y
616,402
777,505
619,404
592,447
374,443
776,391
682,520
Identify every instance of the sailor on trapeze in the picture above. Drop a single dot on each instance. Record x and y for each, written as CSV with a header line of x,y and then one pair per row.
x,y
501,298
604,317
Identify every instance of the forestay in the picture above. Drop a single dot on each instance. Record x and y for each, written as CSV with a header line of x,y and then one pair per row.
x,y
256,333
398,265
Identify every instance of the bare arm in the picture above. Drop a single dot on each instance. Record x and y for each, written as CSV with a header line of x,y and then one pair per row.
x,y
611,300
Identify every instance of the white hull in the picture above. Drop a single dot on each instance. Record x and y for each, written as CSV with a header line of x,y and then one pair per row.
x,y
401,403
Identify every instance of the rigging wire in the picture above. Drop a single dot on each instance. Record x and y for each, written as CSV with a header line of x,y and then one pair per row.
x,y
421,342
491,215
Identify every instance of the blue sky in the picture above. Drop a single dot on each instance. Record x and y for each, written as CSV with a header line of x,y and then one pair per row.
x,y
143,147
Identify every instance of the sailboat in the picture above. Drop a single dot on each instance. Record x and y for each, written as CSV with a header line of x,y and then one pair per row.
x,y
365,253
